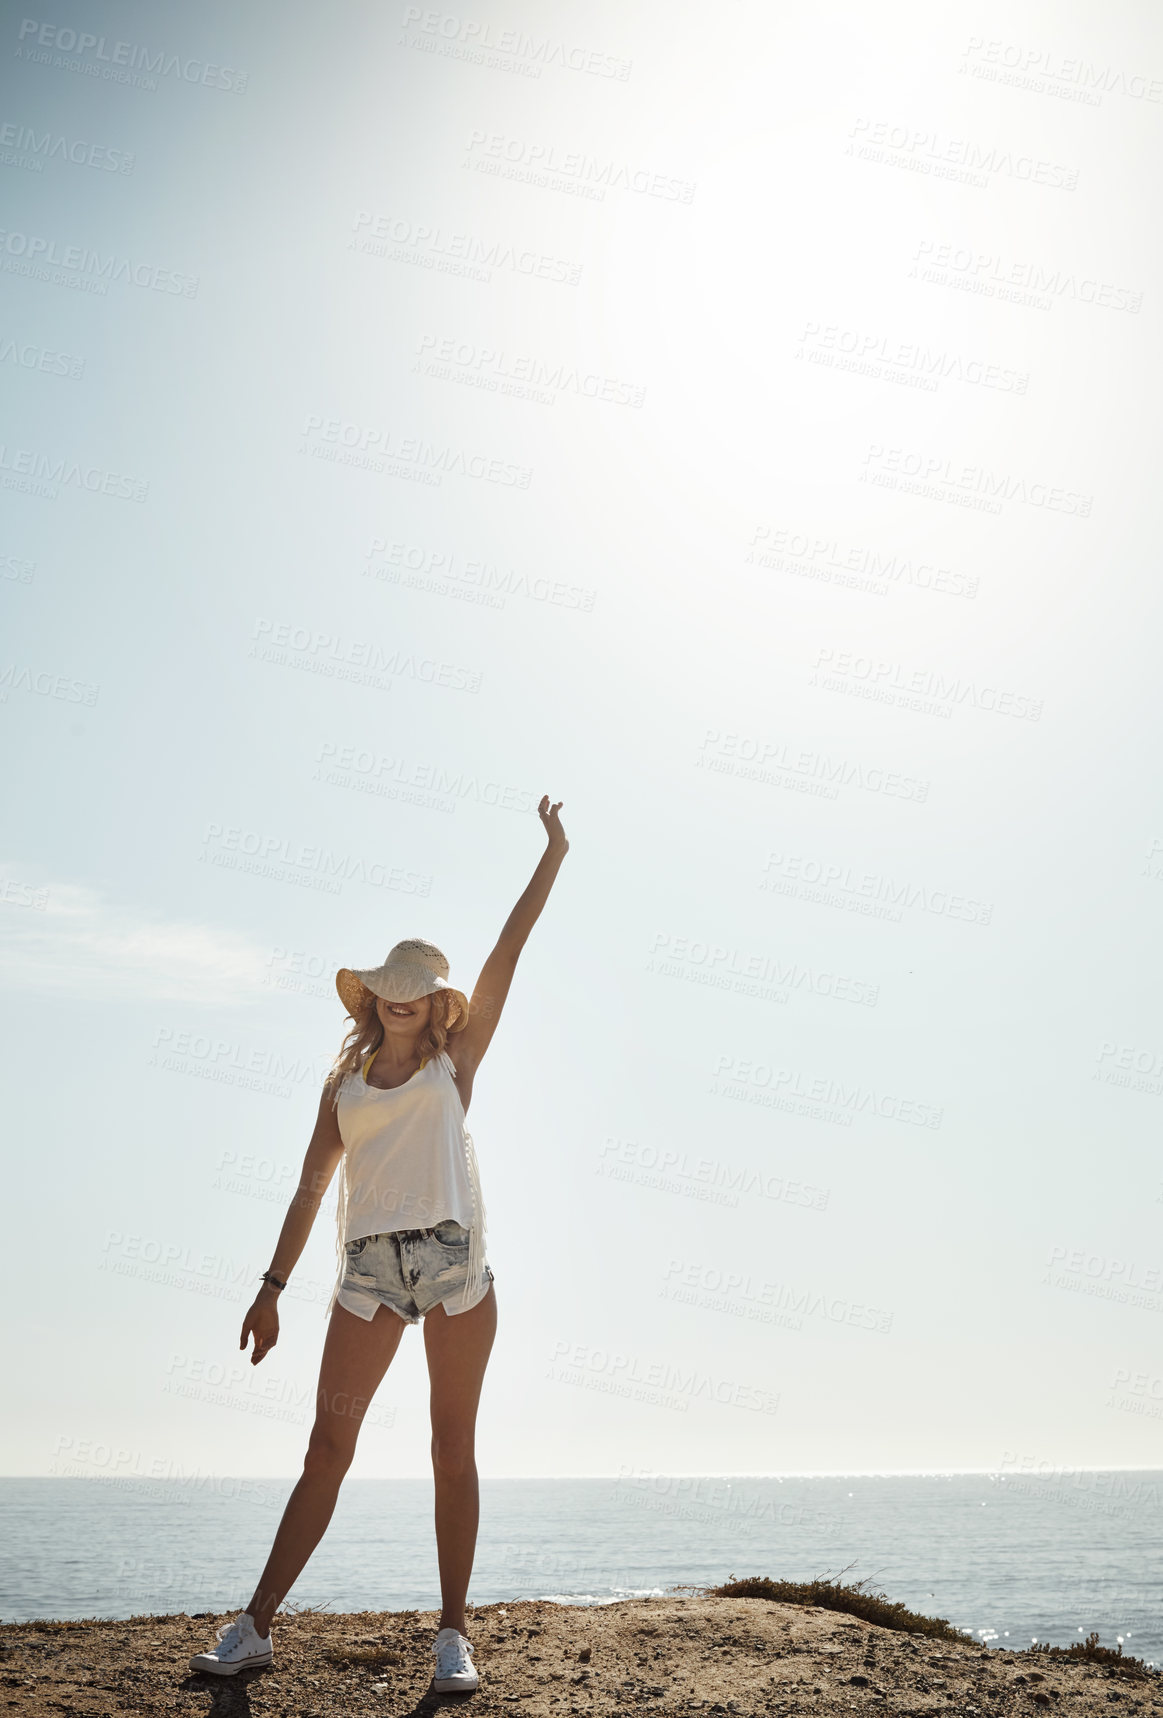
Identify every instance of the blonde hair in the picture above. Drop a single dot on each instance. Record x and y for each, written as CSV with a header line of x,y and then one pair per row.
x,y
366,1034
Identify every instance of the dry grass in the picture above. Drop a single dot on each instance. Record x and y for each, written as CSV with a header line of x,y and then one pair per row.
x,y
368,1657
836,1595
1112,1657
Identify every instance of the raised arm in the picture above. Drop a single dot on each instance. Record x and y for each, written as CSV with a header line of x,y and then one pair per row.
x,y
492,987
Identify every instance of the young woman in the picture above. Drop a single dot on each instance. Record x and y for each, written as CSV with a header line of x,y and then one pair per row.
x,y
411,1229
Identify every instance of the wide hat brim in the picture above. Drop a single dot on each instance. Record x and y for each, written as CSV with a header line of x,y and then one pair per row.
x,y
396,983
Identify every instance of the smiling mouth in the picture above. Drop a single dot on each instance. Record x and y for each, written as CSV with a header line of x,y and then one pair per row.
x,y
399,1008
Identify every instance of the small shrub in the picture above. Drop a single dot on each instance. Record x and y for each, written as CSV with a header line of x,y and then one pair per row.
x,y
836,1595
1113,1657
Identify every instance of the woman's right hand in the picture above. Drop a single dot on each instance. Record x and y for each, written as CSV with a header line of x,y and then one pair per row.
x,y
263,1322
552,822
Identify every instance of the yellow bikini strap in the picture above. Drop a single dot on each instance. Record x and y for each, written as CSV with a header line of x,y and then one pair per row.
x,y
371,1059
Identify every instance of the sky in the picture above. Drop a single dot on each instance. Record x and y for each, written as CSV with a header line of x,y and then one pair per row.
x,y
739,425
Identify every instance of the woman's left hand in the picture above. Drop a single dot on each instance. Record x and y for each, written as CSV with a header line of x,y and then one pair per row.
x,y
548,815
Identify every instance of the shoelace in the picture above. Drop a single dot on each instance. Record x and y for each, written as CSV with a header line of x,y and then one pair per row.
x,y
235,1629
452,1656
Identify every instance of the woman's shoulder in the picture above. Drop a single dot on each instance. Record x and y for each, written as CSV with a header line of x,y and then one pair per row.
x,y
345,1085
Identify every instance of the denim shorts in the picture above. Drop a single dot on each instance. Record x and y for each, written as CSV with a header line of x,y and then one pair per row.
x,y
410,1270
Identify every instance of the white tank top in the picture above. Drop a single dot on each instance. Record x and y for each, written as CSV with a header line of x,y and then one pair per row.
x,y
408,1161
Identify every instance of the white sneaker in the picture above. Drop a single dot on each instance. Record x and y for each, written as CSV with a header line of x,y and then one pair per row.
x,y
241,1648
455,1671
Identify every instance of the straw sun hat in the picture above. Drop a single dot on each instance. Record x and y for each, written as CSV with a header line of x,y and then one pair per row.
x,y
413,969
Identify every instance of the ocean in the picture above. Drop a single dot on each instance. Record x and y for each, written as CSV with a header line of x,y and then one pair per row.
x,y
1012,1559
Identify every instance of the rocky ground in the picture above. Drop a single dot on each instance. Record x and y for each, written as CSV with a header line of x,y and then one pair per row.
x,y
657,1656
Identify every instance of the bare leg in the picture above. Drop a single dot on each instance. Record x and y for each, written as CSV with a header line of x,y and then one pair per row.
x,y
458,1352
356,1354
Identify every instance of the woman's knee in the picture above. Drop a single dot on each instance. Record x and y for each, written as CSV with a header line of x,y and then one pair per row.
x,y
329,1449
453,1454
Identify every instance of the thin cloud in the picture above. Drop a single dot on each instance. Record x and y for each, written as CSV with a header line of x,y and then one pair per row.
x,y
69,941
